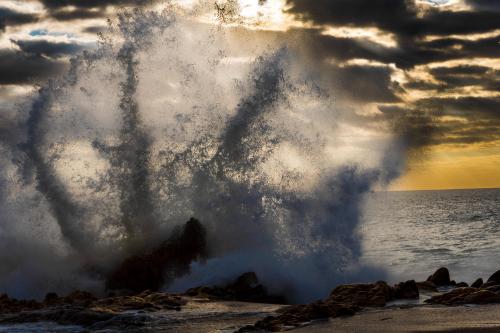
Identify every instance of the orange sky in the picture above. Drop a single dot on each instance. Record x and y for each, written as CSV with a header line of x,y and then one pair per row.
x,y
453,168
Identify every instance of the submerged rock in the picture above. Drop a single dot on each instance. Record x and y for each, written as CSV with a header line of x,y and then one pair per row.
x,y
246,288
441,277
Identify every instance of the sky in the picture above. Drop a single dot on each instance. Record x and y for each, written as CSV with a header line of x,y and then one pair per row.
x,y
431,68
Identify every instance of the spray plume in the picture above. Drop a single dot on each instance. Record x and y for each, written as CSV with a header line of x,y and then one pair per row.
x,y
165,121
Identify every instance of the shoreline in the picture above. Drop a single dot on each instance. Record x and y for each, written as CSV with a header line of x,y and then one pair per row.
x,y
438,304
414,319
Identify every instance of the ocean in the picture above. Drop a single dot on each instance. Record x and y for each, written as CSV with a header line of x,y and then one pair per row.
x,y
411,234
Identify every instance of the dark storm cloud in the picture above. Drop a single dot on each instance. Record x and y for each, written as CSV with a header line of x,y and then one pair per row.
x,y
18,67
365,83
405,55
417,129
85,9
451,78
48,48
55,4
76,14
398,16
492,5
420,125
472,108
462,76
95,29
9,17
459,70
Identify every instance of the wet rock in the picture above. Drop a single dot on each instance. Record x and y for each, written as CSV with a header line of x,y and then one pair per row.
x,y
495,288
406,289
466,295
427,285
482,297
12,305
461,285
441,277
454,297
78,297
478,283
84,309
344,300
363,295
246,288
152,270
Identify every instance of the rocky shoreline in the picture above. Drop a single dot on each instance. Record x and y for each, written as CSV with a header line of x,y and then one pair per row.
x,y
131,312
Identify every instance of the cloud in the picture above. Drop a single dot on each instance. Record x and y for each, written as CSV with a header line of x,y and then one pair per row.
x,y
18,67
49,48
9,17
490,5
365,83
401,17
66,10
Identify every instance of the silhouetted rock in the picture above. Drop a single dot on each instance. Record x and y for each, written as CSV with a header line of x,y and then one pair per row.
x,y
246,288
406,289
478,283
461,285
171,259
51,298
441,277
495,278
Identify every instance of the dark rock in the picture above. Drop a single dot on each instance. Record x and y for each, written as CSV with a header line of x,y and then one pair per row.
x,y
363,295
78,297
152,270
427,285
467,295
406,289
51,298
246,288
454,297
82,308
494,278
482,297
478,283
344,300
495,288
441,277
461,285
12,305
489,284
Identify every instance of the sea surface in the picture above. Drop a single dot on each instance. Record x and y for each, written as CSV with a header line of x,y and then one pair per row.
x,y
411,234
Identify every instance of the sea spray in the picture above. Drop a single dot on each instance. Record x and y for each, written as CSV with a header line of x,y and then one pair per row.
x,y
166,120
